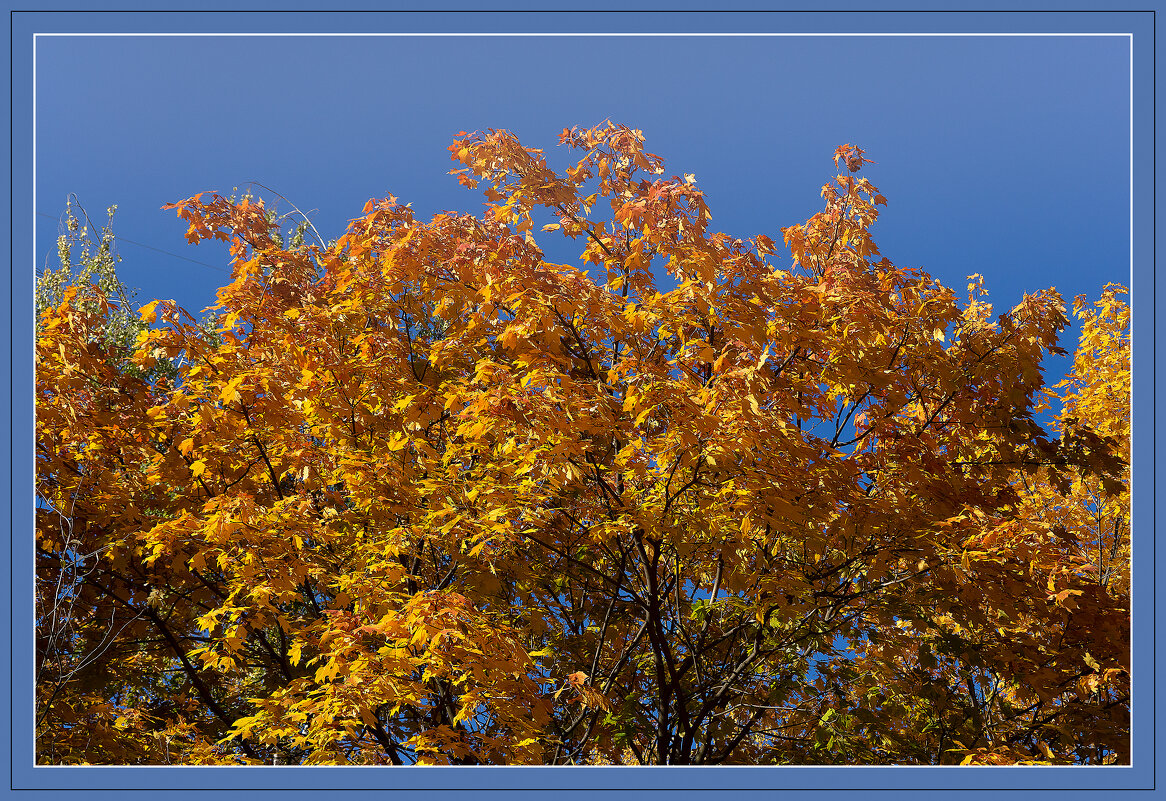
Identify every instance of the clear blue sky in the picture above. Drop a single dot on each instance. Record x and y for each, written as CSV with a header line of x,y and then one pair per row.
x,y
1007,156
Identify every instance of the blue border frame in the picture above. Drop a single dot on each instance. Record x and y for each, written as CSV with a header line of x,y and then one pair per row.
x,y
521,15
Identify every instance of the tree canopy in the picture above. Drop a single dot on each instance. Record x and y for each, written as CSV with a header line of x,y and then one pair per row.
x,y
423,495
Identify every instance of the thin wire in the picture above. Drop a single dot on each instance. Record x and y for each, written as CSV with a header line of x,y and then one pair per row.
x,y
120,238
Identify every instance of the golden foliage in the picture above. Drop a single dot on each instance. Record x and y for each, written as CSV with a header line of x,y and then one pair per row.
x,y
426,496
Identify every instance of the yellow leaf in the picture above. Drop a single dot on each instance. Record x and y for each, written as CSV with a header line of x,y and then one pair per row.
x,y
198,468
230,392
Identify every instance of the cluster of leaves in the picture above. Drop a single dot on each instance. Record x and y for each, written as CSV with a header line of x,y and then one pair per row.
x,y
424,496
87,264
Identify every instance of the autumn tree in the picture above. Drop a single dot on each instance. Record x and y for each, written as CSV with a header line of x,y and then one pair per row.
x,y
424,495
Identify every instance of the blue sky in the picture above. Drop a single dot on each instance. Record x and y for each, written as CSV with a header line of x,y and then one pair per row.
x,y
1002,155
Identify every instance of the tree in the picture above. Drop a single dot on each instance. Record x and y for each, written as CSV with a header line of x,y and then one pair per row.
x,y
425,496
74,636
